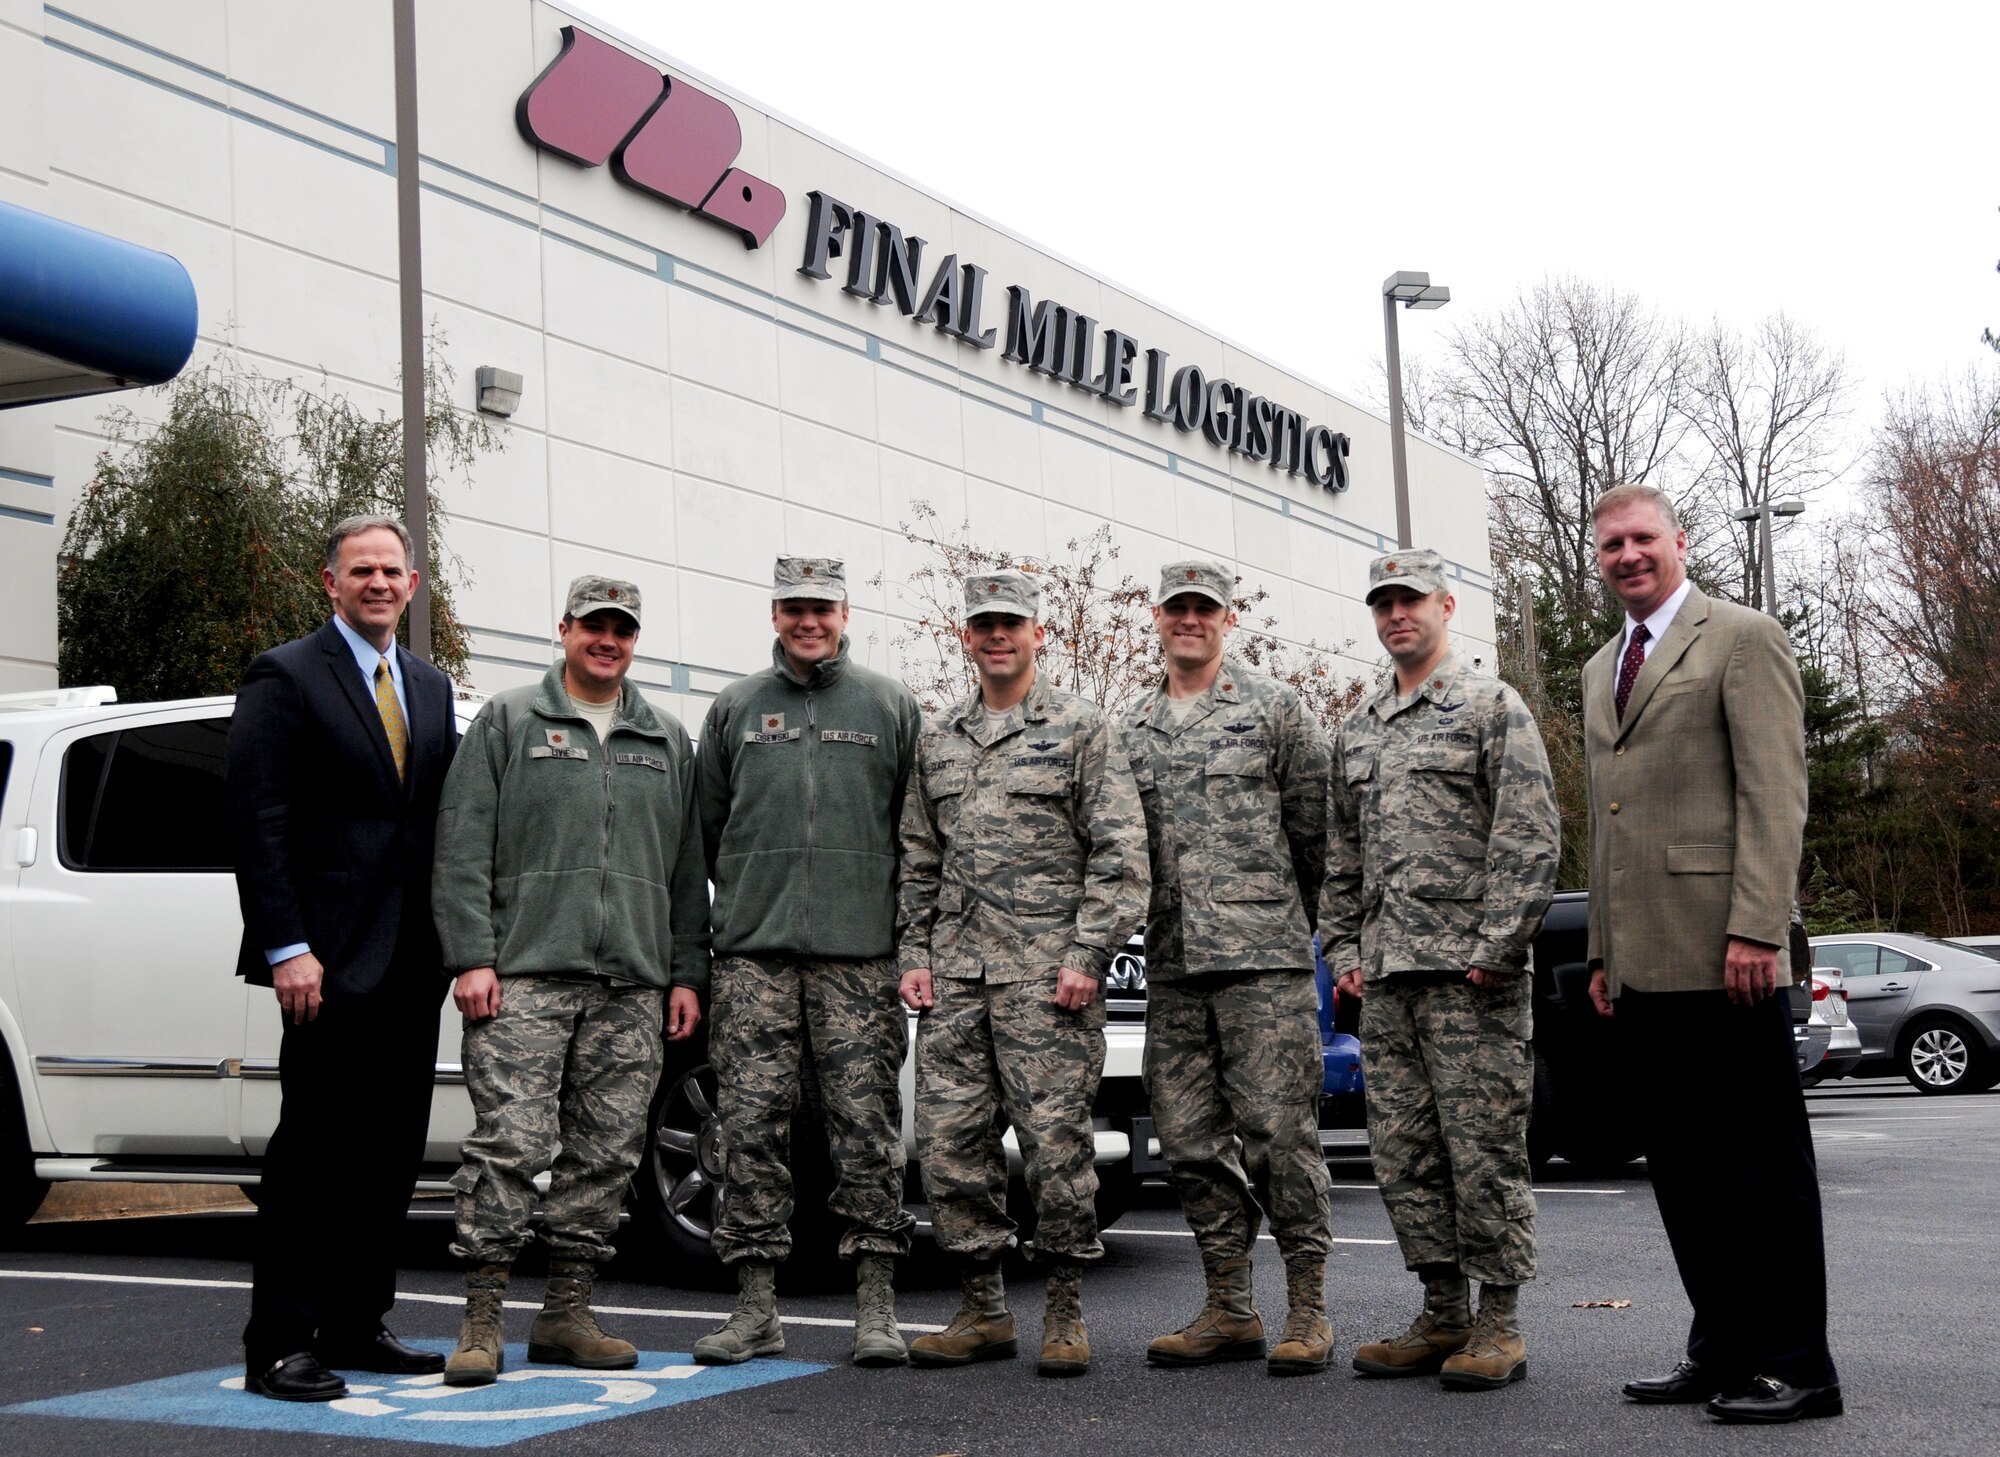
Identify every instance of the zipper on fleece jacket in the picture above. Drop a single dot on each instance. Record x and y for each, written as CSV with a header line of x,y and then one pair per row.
x,y
812,805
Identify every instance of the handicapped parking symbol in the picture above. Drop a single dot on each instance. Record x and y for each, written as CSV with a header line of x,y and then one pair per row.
x,y
526,1401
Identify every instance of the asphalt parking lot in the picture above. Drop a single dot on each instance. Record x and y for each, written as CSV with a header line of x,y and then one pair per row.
x,y
119,1335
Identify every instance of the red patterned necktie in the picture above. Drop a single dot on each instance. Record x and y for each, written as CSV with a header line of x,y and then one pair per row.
x,y
1628,671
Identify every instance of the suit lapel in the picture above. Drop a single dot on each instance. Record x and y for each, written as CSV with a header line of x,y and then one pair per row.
x,y
340,662
1687,625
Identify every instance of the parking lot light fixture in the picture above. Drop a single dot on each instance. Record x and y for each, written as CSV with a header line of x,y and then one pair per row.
x,y
1762,513
1411,291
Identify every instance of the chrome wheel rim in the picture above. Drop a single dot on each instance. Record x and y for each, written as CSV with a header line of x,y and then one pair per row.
x,y
1939,1057
687,1152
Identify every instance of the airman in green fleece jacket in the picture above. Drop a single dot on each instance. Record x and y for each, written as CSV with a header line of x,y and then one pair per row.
x,y
572,904
802,771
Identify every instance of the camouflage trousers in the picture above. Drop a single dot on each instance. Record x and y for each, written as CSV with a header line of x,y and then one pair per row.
x,y
561,1081
1233,1076
1450,1078
764,1013
989,1056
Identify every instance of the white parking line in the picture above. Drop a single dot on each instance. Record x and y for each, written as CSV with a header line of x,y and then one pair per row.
x,y
1553,1189
1189,1234
420,1297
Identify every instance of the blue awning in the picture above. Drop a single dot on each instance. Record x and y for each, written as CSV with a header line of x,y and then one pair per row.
x,y
81,312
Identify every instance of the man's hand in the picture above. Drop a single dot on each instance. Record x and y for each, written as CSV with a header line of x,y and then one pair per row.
x,y
477,993
296,980
915,989
1349,984
1074,990
1600,992
683,1013
1479,976
1751,972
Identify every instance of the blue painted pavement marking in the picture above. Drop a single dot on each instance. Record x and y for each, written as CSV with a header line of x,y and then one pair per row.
x,y
527,1401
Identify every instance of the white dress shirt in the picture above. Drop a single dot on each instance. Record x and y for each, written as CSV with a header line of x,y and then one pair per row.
x,y
1656,625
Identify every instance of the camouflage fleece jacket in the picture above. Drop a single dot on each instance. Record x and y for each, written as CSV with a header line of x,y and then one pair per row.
x,y
558,855
1024,847
1235,799
1442,833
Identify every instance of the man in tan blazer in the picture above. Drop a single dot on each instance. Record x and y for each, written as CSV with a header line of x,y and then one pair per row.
x,y
1695,742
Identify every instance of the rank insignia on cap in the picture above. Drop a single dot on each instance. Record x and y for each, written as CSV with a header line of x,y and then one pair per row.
x,y
612,593
1191,574
805,571
992,586
558,738
1388,566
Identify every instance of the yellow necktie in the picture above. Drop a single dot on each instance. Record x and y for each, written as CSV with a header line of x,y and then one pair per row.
x,y
392,718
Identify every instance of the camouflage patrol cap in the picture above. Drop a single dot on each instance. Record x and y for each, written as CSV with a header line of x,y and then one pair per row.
x,y
1420,569
820,578
1013,593
1212,580
595,594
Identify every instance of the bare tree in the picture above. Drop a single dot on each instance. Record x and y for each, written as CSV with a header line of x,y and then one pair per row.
x,y
1569,389
1101,643
1766,407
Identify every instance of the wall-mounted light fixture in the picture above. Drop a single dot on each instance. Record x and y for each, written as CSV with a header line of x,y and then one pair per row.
x,y
499,390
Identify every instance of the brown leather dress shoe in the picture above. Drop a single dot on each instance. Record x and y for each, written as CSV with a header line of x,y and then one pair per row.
x,y
1688,1382
1767,1399
378,1352
297,1377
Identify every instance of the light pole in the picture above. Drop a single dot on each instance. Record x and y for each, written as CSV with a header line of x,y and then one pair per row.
x,y
1412,291
1762,513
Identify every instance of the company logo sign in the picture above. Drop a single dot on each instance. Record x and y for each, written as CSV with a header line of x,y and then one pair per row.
x,y
596,103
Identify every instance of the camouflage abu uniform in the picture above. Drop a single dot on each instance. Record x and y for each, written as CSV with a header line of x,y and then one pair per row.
x,y
1023,853
1442,845
801,783
586,927
1235,800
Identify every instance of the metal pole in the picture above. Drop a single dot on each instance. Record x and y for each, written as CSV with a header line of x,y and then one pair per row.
x,y
1531,648
410,271
1397,461
1764,546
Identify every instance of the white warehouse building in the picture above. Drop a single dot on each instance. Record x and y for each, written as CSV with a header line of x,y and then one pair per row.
x,y
734,338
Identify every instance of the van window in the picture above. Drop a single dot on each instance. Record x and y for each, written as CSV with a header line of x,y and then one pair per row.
x,y
6,763
147,798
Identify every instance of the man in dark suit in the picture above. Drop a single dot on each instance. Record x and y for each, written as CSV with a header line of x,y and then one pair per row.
x,y
1694,737
337,754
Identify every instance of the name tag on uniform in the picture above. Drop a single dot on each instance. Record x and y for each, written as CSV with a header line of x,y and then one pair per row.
x,y
754,736
848,736
646,761
547,751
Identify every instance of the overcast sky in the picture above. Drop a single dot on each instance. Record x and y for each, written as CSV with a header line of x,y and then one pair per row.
x,y
1261,167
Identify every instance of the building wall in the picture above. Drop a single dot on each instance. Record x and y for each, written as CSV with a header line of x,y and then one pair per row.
x,y
691,407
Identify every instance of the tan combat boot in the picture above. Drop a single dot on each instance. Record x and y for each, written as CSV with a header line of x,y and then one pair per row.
x,y
1494,1352
1228,1327
1439,1331
1065,1343
566,1332
877,1342
1306,1344
481,1354
752,1328
983,1329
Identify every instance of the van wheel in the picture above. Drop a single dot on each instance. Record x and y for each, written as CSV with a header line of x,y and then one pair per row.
x,y
679,1180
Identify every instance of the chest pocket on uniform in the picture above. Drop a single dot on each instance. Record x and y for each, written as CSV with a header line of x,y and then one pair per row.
x,y
1236,760
1039,780
945,778
1358,767
1445,759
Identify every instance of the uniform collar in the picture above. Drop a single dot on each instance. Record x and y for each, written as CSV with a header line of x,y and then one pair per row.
x,y
552,700
1440,688
367,654
824,673
1225,689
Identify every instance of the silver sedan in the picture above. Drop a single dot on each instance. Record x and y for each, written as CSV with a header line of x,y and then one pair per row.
x,y
1925,1008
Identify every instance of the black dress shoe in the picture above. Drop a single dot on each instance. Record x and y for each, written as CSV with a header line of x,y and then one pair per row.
x,y
378,1352
297,1377
1767,1399
1689,1381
